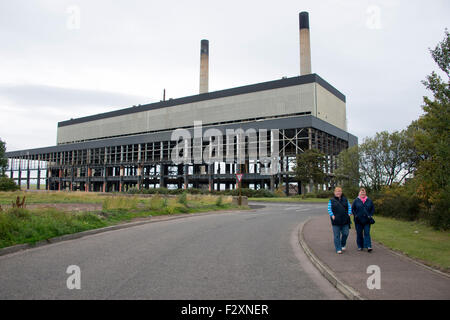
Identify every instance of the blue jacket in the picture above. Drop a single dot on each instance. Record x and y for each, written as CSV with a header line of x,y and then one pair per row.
x,y
362,211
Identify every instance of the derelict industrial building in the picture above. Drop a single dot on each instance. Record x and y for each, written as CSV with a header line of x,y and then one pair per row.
x,y
132,147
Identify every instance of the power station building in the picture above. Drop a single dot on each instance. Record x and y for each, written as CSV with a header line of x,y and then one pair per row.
x,y
132,147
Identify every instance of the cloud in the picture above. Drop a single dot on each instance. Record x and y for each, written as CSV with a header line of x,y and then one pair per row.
x,y
30,112
51,96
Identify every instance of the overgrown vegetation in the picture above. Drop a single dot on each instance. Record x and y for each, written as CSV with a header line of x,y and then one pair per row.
x,y
52,197
235,192
120,203
29,226
319,195
398,202
20,225
8,184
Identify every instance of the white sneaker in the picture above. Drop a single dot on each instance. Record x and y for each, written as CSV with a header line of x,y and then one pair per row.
x,y
343,248
339,252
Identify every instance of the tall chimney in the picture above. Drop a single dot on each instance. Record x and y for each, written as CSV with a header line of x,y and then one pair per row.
x,y
305,46
204,66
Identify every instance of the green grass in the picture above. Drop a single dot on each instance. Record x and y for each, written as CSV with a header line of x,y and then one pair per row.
x,y
414,239
124,203
26,226
19,226
289,199
51,197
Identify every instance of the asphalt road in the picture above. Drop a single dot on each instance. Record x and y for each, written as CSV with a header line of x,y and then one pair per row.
x,y
236,255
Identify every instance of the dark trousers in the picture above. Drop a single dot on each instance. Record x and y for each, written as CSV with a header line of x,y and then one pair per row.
x,y
363,239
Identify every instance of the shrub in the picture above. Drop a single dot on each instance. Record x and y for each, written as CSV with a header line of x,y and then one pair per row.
x,y
176,191
323,194
397,202
247,192
439,214
194,191
235,192
351,192
219,201
150,191
263,193
8,184
134,190
170,210
182,198
279,192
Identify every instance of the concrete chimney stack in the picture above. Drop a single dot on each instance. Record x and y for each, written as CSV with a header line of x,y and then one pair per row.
x,y
204,66
305,45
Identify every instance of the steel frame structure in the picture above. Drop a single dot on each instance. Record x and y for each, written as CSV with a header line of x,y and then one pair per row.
x,y
143,161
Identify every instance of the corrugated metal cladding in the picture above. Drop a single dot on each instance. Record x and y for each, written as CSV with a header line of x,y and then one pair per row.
x,y
298,95
306,121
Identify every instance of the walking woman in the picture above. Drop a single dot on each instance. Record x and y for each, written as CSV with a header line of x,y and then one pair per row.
x,y
339,210
363,211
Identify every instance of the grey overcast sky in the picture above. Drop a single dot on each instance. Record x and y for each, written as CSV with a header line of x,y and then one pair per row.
x,y
65,59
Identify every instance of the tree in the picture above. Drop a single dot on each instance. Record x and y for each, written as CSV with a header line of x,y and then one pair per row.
x,y
347,171
397,156
8,184
310,167
3,159
383,160
432,139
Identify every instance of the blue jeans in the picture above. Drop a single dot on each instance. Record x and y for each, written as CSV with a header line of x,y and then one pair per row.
x,y
340,236
363,236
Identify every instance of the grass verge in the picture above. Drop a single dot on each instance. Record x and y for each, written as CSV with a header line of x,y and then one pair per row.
x,y
18,226
414,239
51,197
30,226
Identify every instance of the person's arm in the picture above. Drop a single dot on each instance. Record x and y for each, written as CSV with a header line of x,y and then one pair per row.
x,y
353,206
330,212
372,208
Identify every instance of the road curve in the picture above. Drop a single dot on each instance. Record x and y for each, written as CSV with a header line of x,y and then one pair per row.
x,y
234,255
